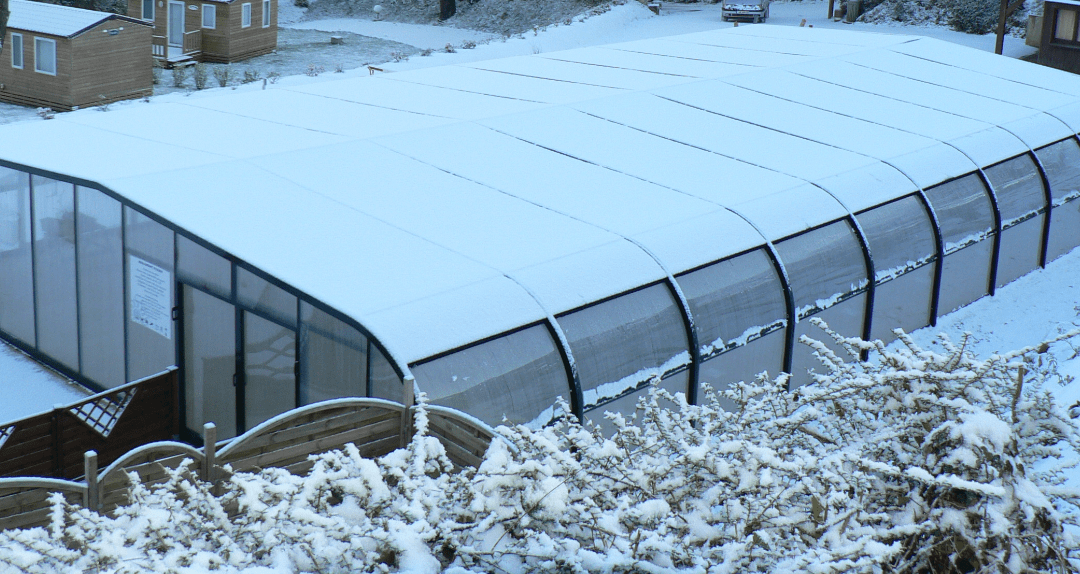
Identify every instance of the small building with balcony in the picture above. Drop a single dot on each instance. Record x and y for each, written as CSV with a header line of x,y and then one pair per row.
x,y
208,30
65,58
1059,44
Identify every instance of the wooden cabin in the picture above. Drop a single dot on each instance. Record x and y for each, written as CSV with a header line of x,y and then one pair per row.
x,y
1059,45
209,30
65,58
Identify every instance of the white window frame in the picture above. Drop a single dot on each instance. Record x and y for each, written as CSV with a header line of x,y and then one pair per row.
x,y
211,10
245,15
149,3
38,42
266,13
17,48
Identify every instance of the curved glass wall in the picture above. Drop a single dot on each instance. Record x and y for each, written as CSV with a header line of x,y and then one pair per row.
x,y
739,313
966,217
901,239
826,268
515,377
622,343
333,357
1061,161
1021,199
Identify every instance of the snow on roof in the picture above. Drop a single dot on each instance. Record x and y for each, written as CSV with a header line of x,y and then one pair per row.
x,y
54,19
445,205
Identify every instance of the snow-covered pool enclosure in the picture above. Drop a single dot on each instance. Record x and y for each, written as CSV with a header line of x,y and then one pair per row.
x,y
511,231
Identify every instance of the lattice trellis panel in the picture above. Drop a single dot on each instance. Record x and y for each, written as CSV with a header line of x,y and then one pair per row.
x,y
103,414
5,433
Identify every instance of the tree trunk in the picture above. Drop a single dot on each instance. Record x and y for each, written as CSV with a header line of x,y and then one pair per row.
x,y
3,23
447,8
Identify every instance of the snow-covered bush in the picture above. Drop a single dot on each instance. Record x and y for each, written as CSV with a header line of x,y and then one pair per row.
x,y
914,461
973,16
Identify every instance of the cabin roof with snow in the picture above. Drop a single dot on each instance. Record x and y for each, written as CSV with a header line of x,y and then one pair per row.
x,y
442,206
56,20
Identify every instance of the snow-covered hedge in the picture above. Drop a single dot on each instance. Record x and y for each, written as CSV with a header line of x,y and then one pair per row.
x,y
915,461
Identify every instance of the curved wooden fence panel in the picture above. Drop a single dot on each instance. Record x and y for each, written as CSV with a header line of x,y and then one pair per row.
x,y
287,440
465,438
151,462
375,426
24,502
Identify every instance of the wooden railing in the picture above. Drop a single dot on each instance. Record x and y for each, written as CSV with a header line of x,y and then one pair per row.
x,y
192,42
376,427
159,46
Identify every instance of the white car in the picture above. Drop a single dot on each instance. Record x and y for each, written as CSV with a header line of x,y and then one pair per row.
x,y
752,10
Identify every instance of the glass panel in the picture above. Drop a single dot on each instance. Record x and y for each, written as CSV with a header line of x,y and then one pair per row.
x,y
621,343
1020,246
101,287
743,364
54,270
202,268
1065,26
824,266
517,377
150,295
964,211
269,369
903,303
627,404
901,237
1062,164
260,295
209,363
1018,188
385,382
333,358
966,277
16,259
1064,229
735,301
846,318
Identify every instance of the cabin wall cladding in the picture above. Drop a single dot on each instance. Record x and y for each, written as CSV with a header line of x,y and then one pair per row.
x,y
571,226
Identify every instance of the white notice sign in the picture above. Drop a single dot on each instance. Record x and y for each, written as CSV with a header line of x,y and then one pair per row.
x,y
151,303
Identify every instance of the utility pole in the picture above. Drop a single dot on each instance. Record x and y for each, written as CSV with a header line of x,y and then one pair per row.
x,y
1006,10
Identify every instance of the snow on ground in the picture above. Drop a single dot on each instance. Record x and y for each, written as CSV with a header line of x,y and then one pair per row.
x,y
30,388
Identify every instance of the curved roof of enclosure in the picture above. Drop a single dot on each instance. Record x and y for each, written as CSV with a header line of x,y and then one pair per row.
x,y
444,205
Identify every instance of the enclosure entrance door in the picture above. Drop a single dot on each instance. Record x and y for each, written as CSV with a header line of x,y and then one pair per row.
x,y
239,367
176,24
209,346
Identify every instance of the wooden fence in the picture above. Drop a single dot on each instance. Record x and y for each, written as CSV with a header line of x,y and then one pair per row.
x,y
375,426
110,423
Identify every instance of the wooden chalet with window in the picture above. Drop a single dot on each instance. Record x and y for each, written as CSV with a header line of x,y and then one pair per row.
x,y
1059,46
209,30
66,58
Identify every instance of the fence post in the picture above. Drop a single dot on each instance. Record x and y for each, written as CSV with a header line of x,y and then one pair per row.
x,y
406,413
90,470
57,452
209,451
